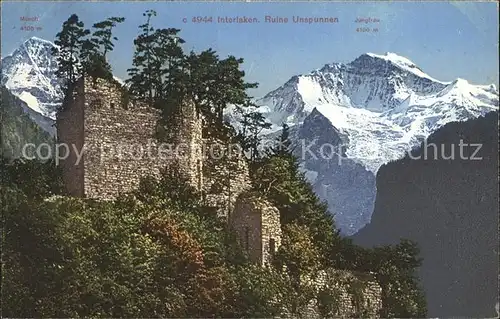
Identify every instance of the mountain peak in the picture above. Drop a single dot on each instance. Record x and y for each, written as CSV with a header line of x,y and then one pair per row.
x,y
36,46
30,74
37,40
394,58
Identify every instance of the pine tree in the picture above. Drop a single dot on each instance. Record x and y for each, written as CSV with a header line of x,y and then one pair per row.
x,y
252,124
283,145
141,74
279,177
168,62
95,49
201,68
215,84
69,45
104,34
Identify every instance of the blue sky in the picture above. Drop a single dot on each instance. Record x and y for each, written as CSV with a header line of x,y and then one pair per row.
x,y
446,40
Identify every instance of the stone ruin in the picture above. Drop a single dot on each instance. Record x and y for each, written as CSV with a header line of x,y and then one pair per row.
x,y
113,143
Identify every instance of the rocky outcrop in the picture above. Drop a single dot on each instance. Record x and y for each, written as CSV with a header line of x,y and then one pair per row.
x,y
336,178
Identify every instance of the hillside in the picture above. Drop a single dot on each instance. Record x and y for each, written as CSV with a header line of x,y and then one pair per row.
x,y
450,208
17,126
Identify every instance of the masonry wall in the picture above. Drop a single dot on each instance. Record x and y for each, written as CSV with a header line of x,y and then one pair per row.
x,y
69,126
120,140
354,295
256,222
225,176
184,130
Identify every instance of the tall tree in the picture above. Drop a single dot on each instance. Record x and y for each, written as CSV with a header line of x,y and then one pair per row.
x,y
104,33
215,84
252,124
69,43
279,177
168,61
283,145
141,74
95,48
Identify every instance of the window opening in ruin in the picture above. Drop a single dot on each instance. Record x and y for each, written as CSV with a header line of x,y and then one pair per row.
x,y
272,247
247,238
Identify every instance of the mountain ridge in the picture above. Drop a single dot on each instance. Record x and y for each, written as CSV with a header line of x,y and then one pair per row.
x,y
382,106
385,105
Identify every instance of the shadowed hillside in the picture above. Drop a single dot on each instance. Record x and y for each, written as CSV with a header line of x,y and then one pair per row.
x,y
450,208
17,127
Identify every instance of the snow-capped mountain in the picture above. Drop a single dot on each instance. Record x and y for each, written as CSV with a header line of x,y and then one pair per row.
x,y
29,74
385,104
371,111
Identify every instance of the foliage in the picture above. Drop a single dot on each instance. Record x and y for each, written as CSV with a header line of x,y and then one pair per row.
x,y
215,83
278,177
157,61
69,42
80,52
33,178
252,124
301,259
154,255
95,49
394,268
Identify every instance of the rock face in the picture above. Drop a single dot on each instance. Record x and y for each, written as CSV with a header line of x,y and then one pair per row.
x,y
18,129
450,208
29,73
334,175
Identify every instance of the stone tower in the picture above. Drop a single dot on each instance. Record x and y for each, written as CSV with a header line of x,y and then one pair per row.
x,y
257,225
112,142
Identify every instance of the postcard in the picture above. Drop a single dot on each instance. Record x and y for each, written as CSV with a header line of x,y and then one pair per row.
x,y
250,159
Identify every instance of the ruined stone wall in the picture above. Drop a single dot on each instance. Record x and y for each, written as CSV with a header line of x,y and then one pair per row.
x,y
257,224
69,126
184,131
352,295
120,140
225,175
